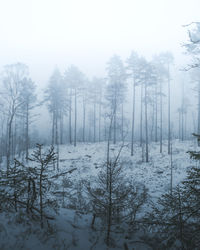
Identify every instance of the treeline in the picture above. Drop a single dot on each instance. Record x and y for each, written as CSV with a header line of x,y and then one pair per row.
x,y
136,93
80,109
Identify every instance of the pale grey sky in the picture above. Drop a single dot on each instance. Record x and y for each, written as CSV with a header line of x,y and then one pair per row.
x,y
46,33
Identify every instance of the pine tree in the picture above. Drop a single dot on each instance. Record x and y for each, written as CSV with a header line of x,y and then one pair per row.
x,y
74,78
55,96
43,160
132,67
115,92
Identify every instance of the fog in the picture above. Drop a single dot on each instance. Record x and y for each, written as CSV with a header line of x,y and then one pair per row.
x,y
49,33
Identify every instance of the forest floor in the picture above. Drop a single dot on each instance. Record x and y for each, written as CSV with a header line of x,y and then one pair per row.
x,y
71,230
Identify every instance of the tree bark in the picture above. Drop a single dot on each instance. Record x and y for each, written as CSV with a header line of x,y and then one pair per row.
x,y
57,141
84,111
94,121
169,125
133,118
75,116
160,117
122,125
70,117
156,111
198,112
53,129
114,125
141,116
27,131
9,140
100,117
146,125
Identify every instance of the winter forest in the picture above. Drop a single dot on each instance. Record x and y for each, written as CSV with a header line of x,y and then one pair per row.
x,y
100,125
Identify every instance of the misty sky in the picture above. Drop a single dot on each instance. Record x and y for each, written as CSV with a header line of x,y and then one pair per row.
x,y
49,33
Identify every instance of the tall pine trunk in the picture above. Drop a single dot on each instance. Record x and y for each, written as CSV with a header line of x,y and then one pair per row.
x,y
41,196
100,117
161,117
133,118
198,112
122,124
53,129
152,121
169,128
75,116
146,125
27,131
179,124
94,121
61,128
114,125
70,117
141,116
84,111
9,142
156,113
182,124
57,139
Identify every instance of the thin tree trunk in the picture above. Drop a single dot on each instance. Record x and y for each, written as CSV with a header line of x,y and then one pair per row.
x,y
146,125
198,126
133,118
114,130
14,139
61,128
53,128
100,117
185,127
70,117
27,131
115,105
182,124
160,117
9,141
169,132
75,117
171,165
105,129
41,198
182,113
89,130
141,116
109,183
94,121
180,220
194,123
179,124
109,209
122,122
57,141
156,122
2,144
84,111
152,121
15,188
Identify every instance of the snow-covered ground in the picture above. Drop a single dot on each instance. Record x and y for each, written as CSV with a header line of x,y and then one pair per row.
x,y
72,230
155,174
